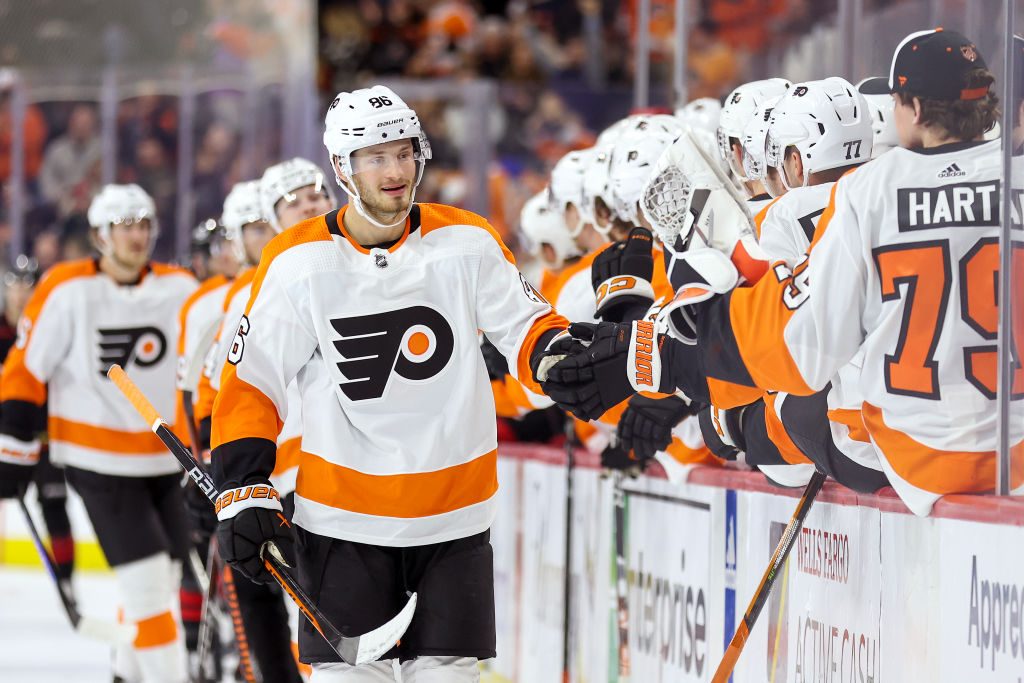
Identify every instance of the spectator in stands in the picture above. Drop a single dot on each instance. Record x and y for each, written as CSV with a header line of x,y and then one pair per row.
x,y
69,157
46,249
33,135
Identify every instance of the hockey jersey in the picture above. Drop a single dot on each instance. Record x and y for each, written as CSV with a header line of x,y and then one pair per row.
x,y
78,322
901,269
399,442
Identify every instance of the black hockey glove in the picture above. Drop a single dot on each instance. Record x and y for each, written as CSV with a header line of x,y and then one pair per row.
x,y
18,461
723,431
616,362
496,364
621,277
201,517
248,517
646,425
619,458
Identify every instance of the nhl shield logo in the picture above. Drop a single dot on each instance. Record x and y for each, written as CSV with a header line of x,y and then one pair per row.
x,y
968,52
380,260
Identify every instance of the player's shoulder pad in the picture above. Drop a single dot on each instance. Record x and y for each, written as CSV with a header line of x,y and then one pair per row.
x,y
304,232
435,217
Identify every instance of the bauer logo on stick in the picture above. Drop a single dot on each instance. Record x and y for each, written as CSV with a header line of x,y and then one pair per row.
x,y
415,343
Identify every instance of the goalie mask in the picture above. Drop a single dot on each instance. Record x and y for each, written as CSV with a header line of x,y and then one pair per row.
x,y
738,109
365,118
241,207
543,224
754,137
883,111
633,159
827,121
566,186
121,204
280,181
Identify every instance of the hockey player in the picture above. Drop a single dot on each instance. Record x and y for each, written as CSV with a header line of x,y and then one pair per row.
x,y
737,112
19,283
84,316
882,278
875,90
376,308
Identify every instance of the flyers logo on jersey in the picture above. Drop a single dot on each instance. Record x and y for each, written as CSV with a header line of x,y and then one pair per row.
x,y
144,346
415,343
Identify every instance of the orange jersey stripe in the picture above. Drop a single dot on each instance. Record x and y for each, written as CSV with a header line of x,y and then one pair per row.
x,y
241,281
759,218
853,420
778,434
206,396
548,321
156,631
685,455
422,494
725,394
503,404
17,382
207,285
103,438
287,455
935,470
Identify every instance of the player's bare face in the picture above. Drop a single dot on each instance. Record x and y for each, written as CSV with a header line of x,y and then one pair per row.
x,y
255,236
16,295
385,177
297,206
905,117
129,243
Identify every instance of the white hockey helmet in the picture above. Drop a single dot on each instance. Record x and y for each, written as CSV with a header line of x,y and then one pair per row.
x,y
242,206
754,137
543,224
875,90
633,159
566,184
610,134
367,117
281,180
702,113
596,186
121,204
827,121
739,108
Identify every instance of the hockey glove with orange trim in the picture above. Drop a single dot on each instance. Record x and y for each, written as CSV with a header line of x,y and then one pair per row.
x,y
18,460
249,517
619,458
723,431
621,277
647,423
616,361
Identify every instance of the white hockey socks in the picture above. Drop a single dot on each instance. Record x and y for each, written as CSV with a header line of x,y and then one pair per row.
x,y
148,589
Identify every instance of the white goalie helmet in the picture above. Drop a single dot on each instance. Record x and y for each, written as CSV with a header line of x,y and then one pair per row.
x,y
828,122
739,108
543,224
241,207
281,180
702,113
633,159
366,117
566,184
121,204
875,90
754,138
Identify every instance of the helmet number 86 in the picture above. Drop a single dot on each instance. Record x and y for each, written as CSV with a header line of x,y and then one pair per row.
x,y
238,344
381,101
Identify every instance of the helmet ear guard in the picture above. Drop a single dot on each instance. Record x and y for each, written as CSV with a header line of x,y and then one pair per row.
x,y
281,180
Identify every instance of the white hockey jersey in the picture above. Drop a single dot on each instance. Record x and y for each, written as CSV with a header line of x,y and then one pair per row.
x,y
901,269
78,322
399,443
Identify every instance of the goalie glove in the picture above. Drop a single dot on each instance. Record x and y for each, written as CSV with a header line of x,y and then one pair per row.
x,y
613,362
248,518
647,423
17,464
696,276
723,431
621,277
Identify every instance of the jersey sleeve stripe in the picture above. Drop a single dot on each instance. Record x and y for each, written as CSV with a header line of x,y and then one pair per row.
x,y
853,421
18,382
546,322
725,394
104,439
776,430
242,411
761,215
421,494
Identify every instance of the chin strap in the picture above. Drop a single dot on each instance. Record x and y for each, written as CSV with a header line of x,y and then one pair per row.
x,y
357,201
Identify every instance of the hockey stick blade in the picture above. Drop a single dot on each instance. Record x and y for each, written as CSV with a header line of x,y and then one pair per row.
x,y
353,650
87,627
732,653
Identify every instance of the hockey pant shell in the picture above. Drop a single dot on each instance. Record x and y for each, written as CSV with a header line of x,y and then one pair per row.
x,y
806,422
147,589
265,620
360,586
419,670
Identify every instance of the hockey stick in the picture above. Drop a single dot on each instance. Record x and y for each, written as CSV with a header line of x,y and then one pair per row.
x,y
621,579
208,585
732,653
570,466
85,626
354,650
